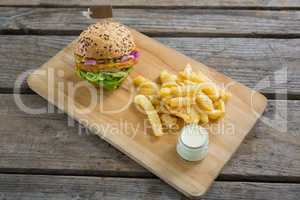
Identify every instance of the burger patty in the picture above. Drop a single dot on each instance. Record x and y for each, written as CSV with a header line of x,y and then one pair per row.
x,y
81,59
106,67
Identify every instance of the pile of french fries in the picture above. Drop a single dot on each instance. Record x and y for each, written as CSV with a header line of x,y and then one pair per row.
x,y
188,96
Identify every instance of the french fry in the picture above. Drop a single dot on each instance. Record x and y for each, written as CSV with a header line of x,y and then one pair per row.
x,y
166,77
169,85
191,96
165,92
204,102
148,88
189,82
220,105
155,100
146,91
188,71
153,117
194,115
186,90
203,118
180,102
163,109
139,80
168,120
211,90
181,113
215,114
225,95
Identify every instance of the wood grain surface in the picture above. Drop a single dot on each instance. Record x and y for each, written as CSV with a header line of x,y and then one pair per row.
x,y
190,22
46,143
253,62
159,3
16,187
237,37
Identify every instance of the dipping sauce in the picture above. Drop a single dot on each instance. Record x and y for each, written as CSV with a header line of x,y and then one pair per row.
x,y
192,143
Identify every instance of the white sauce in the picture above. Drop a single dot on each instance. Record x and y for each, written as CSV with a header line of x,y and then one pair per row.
x,y
194,136
193,142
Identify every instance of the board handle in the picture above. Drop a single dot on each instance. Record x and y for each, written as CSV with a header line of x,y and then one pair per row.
x,y
99,12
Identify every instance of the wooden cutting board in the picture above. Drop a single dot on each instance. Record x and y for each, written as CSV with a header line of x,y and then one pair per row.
x,y
123,126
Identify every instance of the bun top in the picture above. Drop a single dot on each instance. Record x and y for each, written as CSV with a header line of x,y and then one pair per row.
x,y
105,40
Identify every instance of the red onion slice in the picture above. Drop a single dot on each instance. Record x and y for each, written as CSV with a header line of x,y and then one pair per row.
x,y
135,54
90,62
124,58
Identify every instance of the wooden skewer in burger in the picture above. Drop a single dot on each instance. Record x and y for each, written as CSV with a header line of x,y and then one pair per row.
x,y
105,54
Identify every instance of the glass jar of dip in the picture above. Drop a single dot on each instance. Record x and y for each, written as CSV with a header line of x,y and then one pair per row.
x,y
193,142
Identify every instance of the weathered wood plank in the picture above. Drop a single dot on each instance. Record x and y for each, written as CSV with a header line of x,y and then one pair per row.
x,y
254,62
159,3
44,143
15,187
196,22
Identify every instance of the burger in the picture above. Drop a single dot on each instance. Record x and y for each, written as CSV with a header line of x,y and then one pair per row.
x,y
105,54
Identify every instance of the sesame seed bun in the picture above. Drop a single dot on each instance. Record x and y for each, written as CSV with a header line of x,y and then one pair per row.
x,y
105,40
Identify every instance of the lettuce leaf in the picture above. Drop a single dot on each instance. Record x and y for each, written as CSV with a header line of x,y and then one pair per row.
x,y
108,80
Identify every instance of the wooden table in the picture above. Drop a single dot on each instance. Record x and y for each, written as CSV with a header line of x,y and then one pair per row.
x,y
255,42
